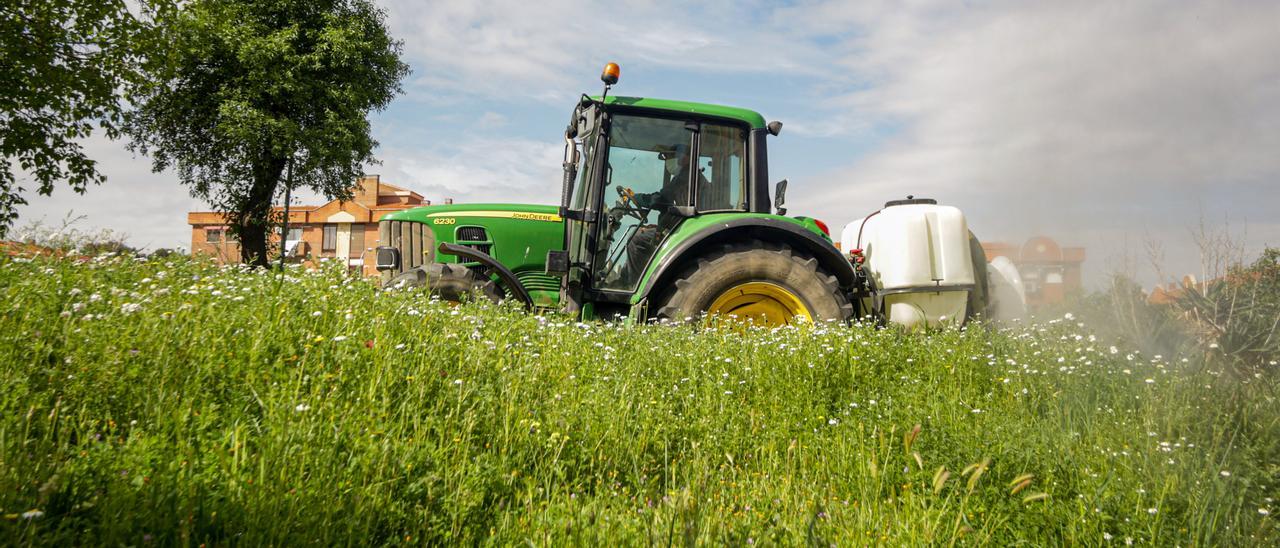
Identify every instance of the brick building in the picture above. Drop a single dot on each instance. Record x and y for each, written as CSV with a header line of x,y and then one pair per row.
x,y
1049,271
345,231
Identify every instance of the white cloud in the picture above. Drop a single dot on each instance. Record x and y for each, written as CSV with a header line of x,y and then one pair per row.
x,y
1086,122
150,208
460,49
478,169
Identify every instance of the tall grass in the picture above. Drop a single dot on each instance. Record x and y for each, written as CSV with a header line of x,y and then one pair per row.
x,y
173,402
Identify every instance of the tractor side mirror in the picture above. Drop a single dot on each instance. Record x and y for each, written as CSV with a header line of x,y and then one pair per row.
x,y
780,197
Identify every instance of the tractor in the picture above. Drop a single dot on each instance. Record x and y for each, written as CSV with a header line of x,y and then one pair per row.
x,y
666,213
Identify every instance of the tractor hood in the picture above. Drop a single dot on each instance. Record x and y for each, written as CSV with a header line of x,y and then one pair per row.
x,y
429,214
516,235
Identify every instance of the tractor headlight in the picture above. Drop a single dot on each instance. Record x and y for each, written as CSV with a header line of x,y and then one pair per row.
x,y
388,258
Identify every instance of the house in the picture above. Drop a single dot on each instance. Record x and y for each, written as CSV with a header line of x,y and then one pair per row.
x,y
344,231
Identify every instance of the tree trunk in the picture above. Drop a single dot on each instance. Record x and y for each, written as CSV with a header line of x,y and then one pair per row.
x,y
254,214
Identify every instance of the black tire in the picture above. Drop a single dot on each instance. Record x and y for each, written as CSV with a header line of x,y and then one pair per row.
x,y
452,282
707,278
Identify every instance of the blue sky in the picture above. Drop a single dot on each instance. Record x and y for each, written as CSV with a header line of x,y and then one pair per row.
x,y
1121,127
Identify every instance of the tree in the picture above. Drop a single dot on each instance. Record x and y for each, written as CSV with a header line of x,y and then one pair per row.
x,y
247,88
63,64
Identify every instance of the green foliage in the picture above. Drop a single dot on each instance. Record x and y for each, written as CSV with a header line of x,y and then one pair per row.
x,y
1122,315
62,63
1236,318
244,87
173,402
1231,322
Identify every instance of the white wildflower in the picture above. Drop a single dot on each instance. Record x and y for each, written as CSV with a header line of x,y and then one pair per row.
x,y
130,308
1225,474
302,407
32,514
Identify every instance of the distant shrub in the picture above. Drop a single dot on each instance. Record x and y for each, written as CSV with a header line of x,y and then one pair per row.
x,y
1235,319
1123,315
67,238
1231,322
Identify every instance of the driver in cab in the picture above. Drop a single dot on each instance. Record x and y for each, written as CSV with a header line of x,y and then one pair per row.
x,y
674,192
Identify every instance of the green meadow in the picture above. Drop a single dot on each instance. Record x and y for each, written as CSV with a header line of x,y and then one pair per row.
x,y
169,401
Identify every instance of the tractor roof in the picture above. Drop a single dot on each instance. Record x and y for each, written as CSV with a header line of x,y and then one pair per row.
x,y
749,117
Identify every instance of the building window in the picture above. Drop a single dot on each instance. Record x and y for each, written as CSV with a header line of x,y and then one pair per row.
x,y
330,240
357,242
213,235
295,234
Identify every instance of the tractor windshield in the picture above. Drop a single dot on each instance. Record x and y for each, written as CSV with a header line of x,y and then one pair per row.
x,y
647,174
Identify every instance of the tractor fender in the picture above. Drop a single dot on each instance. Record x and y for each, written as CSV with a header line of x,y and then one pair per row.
x,y
742,229
508,278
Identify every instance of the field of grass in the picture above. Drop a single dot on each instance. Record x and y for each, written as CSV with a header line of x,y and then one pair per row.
x,y
170,401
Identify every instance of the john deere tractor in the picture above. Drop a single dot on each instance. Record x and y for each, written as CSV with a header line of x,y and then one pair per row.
x,y
666,213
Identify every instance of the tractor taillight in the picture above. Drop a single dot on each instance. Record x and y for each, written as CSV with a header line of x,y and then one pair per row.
x,y
823,227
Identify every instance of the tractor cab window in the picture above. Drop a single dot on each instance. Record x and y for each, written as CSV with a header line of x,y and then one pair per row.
x,y
647,174
722,164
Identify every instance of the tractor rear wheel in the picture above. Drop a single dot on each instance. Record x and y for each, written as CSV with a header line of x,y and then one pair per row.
x,y
452,282
767,285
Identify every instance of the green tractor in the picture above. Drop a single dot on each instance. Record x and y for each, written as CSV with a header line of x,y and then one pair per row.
x,y
666,213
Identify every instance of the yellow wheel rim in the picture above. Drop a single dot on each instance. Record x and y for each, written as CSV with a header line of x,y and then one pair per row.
x,y
760,302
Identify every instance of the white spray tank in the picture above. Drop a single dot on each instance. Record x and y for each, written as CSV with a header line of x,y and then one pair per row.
x,y
917,256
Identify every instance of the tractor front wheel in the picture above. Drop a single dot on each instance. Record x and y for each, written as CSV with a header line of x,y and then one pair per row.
x,y
452,282
757,283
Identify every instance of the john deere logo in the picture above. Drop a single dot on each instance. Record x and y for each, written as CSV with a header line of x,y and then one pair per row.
x,y
536,216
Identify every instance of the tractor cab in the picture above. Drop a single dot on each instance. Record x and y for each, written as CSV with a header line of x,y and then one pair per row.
x,y
635,170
